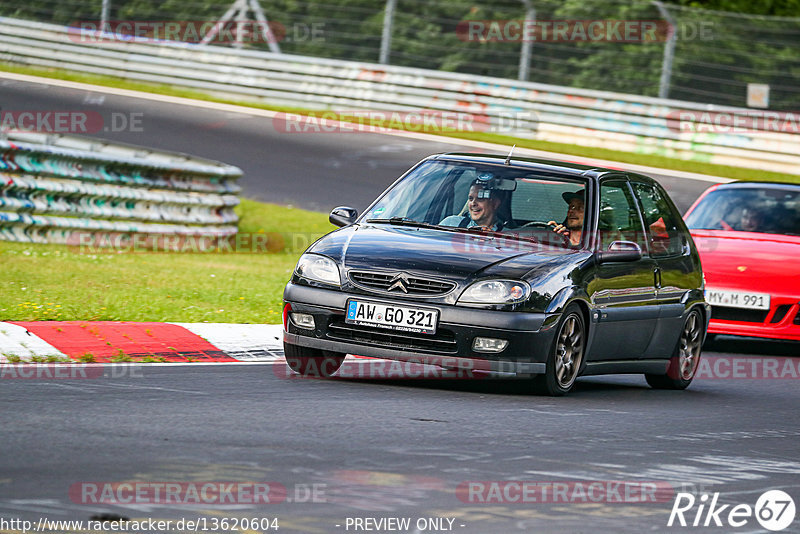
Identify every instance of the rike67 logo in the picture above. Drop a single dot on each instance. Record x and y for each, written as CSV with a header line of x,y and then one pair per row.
x,y
774,510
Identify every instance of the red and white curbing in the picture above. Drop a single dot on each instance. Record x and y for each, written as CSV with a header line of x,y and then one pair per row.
x,y
108,341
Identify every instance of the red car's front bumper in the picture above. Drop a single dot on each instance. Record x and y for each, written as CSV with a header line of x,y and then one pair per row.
x,y
747,262
782,321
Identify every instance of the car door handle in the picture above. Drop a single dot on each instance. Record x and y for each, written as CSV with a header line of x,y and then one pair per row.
x,y
657,277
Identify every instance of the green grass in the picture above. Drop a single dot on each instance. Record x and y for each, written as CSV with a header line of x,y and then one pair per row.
x,y
56,282
654,159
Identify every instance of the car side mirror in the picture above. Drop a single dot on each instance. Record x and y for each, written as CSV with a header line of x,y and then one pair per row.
x,y
620,251
342,216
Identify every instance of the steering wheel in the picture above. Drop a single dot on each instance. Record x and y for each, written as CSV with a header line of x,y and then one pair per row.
x,y
531,224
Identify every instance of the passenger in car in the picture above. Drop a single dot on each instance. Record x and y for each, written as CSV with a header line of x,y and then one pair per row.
x,y
572,227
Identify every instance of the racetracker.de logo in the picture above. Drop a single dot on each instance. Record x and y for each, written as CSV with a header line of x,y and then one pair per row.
x,y
69,121
49,371
66,371
733,122
745,368
428,368
553,31
239,243
195,31
421,121
200,493
580,491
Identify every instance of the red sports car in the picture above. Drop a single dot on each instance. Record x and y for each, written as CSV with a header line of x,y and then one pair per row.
x,y
748,235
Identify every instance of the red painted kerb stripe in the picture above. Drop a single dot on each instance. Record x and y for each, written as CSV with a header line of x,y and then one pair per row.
x,y
106,340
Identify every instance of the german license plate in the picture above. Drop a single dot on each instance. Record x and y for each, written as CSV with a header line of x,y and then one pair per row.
x,y
737,299
404,318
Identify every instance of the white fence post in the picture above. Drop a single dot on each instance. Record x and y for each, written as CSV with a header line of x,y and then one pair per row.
x,y
386,35
527,44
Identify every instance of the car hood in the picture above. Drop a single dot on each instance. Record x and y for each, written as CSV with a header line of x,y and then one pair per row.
x,y
440,253
749,261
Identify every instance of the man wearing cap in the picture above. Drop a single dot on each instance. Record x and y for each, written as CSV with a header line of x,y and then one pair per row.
x,y
572,227
482,204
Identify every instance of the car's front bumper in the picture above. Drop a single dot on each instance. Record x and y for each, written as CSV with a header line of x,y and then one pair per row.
x,y
530,335
782,321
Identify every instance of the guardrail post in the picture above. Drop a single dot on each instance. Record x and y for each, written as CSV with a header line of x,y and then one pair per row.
x,y
527,44
237,13
669,51
104,14
386,36
266,31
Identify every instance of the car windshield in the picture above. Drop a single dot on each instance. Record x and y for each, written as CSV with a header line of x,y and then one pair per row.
x,y
762,210
482,197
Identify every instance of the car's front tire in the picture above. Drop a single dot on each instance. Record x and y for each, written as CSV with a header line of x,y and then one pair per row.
x,y
683,364
312,362
566,355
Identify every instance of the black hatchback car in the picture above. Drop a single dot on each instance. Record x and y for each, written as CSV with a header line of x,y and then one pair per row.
x,y
541,268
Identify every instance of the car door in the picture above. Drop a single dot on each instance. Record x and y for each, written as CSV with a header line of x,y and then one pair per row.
x,y
677,270
622,292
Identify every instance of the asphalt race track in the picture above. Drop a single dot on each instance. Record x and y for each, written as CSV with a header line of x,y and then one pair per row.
x,y
391,448
350,452
315,171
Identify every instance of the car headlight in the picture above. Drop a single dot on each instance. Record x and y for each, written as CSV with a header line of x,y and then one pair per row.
x,y
495,292
318,268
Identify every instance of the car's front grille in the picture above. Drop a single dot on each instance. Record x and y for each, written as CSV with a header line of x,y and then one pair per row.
x,y
442,342
725,313
418,286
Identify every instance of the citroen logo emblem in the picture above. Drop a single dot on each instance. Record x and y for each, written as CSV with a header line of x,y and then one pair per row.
x,y
399,282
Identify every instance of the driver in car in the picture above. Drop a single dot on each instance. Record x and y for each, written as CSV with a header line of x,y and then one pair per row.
x,y
572,227
750,220
482,203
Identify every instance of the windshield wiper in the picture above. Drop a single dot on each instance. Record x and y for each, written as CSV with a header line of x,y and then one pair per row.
x,y
502,234
404,221
499,234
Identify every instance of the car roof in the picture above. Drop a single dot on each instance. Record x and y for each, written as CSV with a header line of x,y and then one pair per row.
x,y
541,164
759,185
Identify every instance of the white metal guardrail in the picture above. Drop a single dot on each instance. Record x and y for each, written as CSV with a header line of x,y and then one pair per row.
x,y
684,130
61,189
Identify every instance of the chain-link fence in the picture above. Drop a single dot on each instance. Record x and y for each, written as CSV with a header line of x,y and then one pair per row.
x,y
640,47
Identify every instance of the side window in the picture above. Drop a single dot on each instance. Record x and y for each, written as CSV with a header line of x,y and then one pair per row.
x,y
536,200
664,230
619,218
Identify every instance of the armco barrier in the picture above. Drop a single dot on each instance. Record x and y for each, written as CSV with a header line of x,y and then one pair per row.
x,y
545,112
54,188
